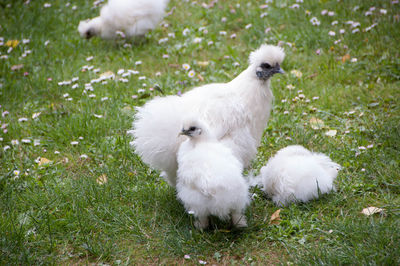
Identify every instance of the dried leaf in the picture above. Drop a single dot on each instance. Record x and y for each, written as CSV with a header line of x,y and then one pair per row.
x,y
174,65
371,210
200,77
316,123
16,67
203,63
275,218
313,75
101,180
12,43
345,58
44,161
331,133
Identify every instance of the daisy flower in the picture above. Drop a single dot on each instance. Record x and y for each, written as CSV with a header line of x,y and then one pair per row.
x,y
191,74
315,21
185,32
197,40
186,66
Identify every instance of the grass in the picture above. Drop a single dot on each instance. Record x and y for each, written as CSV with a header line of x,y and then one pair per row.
x,y
61,213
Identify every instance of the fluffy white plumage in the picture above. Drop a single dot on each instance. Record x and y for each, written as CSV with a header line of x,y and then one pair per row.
x,y
133,17
210,180
297,174
236,112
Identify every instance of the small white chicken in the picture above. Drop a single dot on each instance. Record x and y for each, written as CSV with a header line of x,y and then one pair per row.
x,y
128,17
210,180
237,113
297,174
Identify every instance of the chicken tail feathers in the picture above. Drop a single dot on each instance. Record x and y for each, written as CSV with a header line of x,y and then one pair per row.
x,y
155,131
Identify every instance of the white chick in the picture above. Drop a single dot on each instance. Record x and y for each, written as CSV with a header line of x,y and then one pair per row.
x,y
126,17
237,112
210,180
297,174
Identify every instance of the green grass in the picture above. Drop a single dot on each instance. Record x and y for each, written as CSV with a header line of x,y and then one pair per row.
x,y
58,213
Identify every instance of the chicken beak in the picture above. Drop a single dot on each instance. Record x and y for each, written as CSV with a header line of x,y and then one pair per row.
x,y
281,71
184,133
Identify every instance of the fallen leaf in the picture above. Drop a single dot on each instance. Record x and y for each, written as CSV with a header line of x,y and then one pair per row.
x,y
174,65
316,123
44,161
313,75
16,67
203,63
331,133
12,43
275,218
200,77
345,58
371,210
101,180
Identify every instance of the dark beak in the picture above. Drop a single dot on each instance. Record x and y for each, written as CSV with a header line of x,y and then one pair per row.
x,y
184,133
265,74
280,71
89,34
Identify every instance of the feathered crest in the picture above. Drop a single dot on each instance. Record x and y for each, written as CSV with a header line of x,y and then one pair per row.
x,y
267,54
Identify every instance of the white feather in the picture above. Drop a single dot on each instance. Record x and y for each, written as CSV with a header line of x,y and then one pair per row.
x,y
133,17
236,112
210,180
297,174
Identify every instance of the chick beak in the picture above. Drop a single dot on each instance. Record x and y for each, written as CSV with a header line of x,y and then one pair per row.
x,y
184,133
280,71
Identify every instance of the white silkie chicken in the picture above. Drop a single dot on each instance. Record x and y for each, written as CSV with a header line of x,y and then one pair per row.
x,y
297,174
236,112
129,17
210,180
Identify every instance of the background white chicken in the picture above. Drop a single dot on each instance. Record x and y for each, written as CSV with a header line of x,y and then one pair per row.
x,y
210,180
133,17
297,174
236,112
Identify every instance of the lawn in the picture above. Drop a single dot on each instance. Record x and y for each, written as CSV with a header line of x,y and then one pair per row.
x,y
72,190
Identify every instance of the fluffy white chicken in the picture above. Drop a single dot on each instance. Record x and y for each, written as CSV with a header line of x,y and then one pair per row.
x,y
132,17
210,180
297,174
236,112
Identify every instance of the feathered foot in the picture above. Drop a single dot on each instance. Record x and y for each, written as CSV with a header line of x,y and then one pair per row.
x,y
201,222
239,220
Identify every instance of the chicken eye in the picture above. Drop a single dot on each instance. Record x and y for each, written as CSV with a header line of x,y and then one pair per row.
x,y
265,65
192,128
